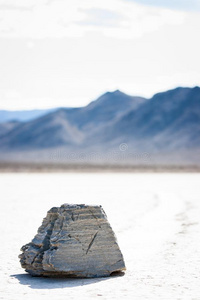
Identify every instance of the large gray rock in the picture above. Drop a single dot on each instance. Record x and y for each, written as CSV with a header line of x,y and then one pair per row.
x,y
73,241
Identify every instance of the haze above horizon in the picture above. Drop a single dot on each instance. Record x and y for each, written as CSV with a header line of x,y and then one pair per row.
x,y
66,54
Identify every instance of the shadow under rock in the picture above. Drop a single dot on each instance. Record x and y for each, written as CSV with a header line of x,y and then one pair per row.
x,y
57,283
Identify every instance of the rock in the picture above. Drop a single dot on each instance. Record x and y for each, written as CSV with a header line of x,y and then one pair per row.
x,y
73,241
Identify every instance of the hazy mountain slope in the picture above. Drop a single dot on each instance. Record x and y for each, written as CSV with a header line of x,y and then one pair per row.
x,y
106,108
172,117
70,126
23,115
5,128
51,130
167,127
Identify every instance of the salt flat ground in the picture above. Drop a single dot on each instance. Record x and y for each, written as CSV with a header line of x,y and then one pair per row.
x,y
155,217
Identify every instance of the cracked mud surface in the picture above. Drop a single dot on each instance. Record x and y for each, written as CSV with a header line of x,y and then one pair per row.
x,y
155,218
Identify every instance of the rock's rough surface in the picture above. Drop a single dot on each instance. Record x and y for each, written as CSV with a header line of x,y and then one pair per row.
x,y
73,241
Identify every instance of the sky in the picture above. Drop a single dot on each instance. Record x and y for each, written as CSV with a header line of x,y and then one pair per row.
x,y
57,53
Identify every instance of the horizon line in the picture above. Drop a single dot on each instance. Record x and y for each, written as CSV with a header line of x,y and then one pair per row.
x,y
112,92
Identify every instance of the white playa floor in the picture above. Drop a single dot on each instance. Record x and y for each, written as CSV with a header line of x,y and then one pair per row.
x,y
155,217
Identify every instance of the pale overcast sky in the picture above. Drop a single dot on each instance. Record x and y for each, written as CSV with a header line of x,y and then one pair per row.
x,y
67,53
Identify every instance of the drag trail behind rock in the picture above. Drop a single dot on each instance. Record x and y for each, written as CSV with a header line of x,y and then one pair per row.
x,y
155,218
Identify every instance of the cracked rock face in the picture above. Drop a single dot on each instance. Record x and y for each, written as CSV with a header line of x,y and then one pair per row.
x,y
73,241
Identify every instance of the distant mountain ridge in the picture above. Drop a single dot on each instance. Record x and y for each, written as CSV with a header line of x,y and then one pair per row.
x,y
55,128
166,126
23,115
162,117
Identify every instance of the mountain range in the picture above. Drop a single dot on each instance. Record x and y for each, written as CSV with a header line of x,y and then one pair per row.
x,y
23,115
115,128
